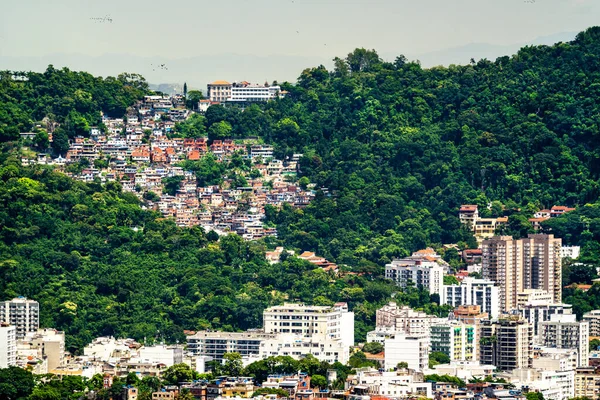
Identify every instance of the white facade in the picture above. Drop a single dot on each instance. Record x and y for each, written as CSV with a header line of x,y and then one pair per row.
x,y
571,252
403,319
564,332
413,350
533,296
465,370
553,359
593,318
22,313
392,384
537,313
8,346
253,93
215,344
48,343
335,323
322,348
553,385
167,355
471,291
418,272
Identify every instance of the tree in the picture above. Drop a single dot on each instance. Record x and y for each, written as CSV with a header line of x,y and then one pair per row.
x,y
219,130
438,357
450,280
60,141
178,373
373,348
318,381
185,90
534,396
41,140
15,383
232,364
594,345
192,99
402,365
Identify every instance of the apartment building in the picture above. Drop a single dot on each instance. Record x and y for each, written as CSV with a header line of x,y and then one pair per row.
x,y
587,382
219,91
515,265
506,343
48,343
415,271
533,296
8,345
390,384
468,214
323,349
403,319
540,312
457,340
564,332
413,350
22,313
472,291
470,315
215,344
336,322
593,318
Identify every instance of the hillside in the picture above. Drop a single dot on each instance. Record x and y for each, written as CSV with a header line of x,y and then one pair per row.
x,y
398,148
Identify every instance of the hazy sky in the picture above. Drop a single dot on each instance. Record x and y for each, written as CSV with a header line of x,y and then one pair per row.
x,y
183,28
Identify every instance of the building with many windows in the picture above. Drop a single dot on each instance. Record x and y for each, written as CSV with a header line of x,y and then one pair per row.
x,y
413,350
22,313
403,319
587,382
506,343
593,318
471,291
457,340
419,272
564,332
515,265
215,344
535,314
335,323
8,345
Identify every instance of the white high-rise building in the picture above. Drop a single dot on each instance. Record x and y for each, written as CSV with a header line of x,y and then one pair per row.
x,y
336,323
418,272
593,317
564,332
413,350
21,313
538,313
475,292
8,345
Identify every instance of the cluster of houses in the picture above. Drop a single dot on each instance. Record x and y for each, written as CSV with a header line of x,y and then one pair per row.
x,y
140,151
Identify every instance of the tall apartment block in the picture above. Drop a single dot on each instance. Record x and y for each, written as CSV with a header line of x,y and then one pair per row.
x,y
506,343
593,318
336,322
518,264
8,345
564,332
21,313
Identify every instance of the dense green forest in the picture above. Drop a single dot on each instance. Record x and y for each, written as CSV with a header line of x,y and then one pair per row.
x,y
100,265
397,147
72,99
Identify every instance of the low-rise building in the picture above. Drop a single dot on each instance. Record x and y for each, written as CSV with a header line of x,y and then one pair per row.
x,y
413,350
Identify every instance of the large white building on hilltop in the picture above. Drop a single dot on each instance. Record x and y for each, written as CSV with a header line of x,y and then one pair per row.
x,y
22,313
335,323
8,345
472,291
242,92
